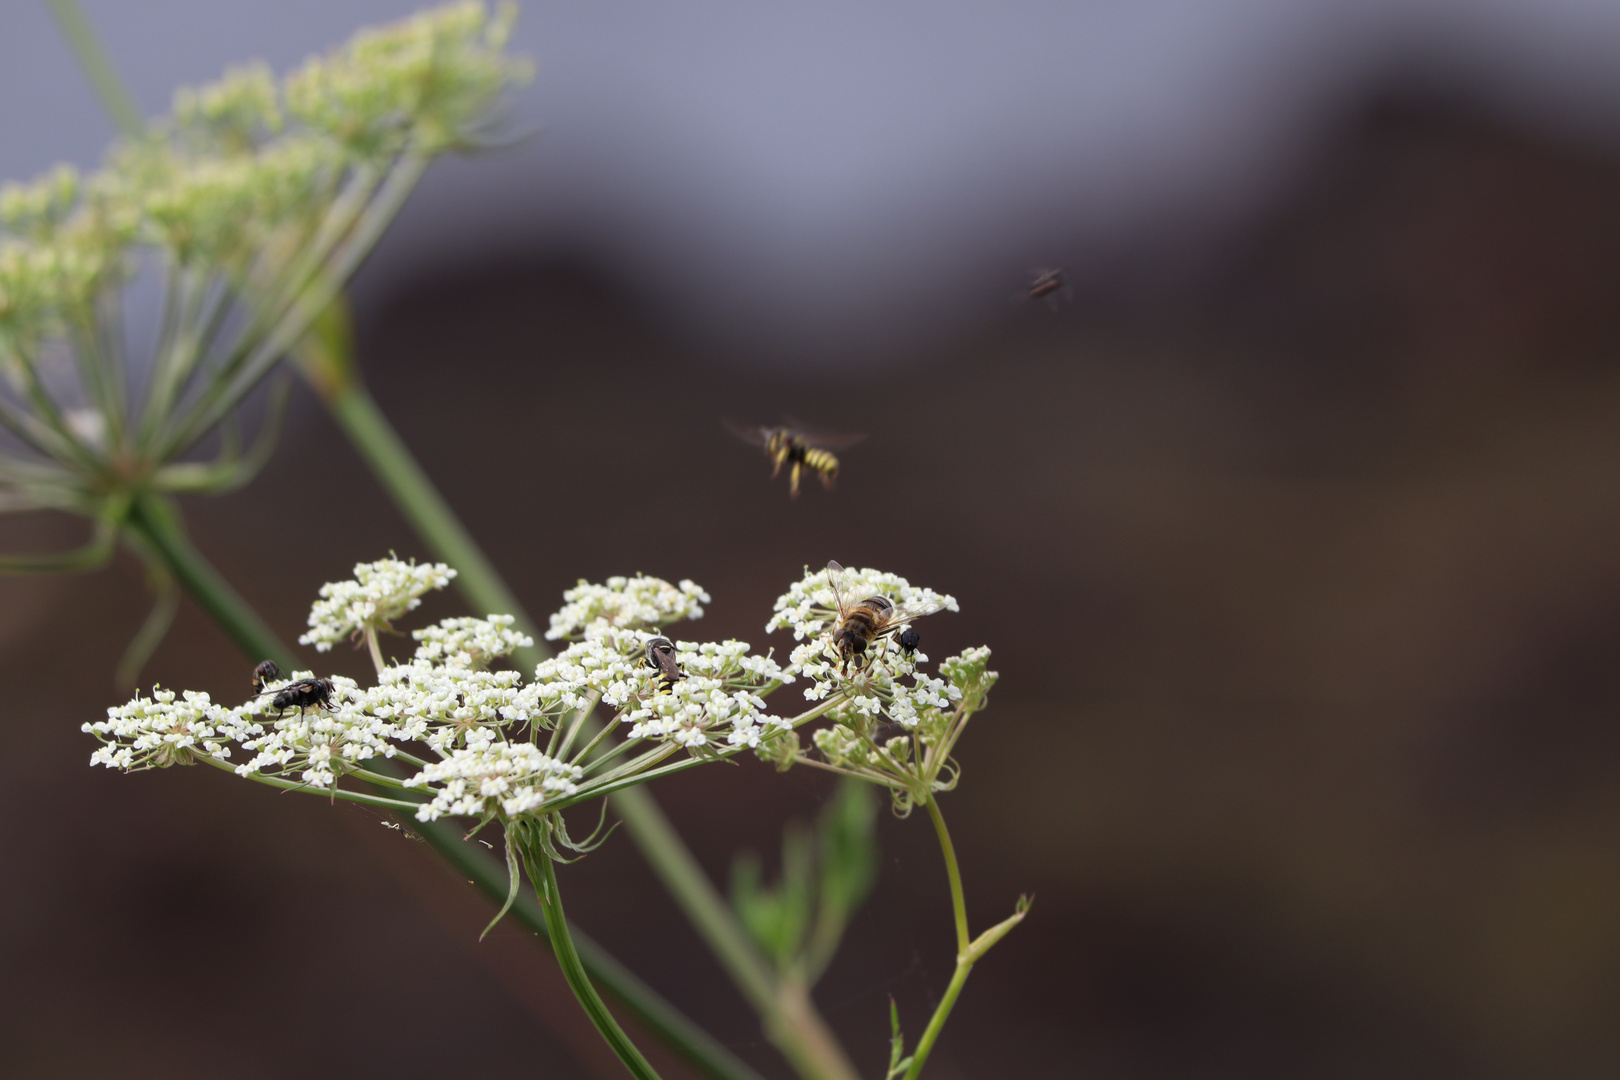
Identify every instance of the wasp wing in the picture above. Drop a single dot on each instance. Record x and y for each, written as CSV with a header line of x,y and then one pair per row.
x,y
752,434
821,437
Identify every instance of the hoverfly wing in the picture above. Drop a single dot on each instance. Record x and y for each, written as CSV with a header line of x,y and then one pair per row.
x,y
904,613
835,573
753,434
826,440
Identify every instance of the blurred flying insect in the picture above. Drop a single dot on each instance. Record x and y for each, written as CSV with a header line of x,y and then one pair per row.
x,y
266,672
661,658
800,445
868,622
1050,285
301,695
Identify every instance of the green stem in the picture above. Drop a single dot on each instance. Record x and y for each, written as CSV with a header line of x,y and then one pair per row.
x,y
153,519
958,900
97,65
574,971
326,359
358,415
968,952
641,1001
791,1021
925,1045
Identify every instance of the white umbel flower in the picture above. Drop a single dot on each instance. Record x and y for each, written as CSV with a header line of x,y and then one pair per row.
x,y
316,744
470,643
639,602
379,593
809,606
495,777
158,731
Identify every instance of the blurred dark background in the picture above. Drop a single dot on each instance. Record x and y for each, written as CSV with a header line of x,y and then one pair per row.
x,y
1294,537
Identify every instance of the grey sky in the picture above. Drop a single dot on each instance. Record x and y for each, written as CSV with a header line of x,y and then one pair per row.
x,y
808,171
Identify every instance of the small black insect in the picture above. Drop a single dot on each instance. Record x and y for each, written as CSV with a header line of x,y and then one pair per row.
x,y
661,658
302,694
266,672
908,640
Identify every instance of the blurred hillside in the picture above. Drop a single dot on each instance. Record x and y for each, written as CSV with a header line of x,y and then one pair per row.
x,y
1297,556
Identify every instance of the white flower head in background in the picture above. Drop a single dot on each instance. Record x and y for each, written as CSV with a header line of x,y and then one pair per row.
x,y
621,603
470,643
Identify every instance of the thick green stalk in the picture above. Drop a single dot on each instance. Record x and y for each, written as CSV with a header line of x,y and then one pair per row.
x,y
790,1018
326,359
97,65
964,963
366,426
578,981
641,1001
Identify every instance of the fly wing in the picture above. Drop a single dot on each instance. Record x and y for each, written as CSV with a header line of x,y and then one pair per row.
x,y
752,434
821,437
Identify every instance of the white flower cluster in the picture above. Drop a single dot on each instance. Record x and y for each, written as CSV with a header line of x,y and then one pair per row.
x,y
809,609
489,776
316,744
379,593
158,731
442,705
470,643
625,603
721,692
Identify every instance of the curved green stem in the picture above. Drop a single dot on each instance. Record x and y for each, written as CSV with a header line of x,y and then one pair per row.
x,y
968,952
574,971
958,900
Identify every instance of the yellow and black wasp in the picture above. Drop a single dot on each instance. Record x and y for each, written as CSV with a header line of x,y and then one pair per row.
x,y
798,444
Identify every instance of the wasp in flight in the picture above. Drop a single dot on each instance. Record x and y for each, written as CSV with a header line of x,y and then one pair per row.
x,y
266,672
661,658
301,695
799,445
867,622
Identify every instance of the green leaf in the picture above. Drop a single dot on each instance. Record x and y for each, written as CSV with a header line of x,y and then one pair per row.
x,y
897,1043
848,847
